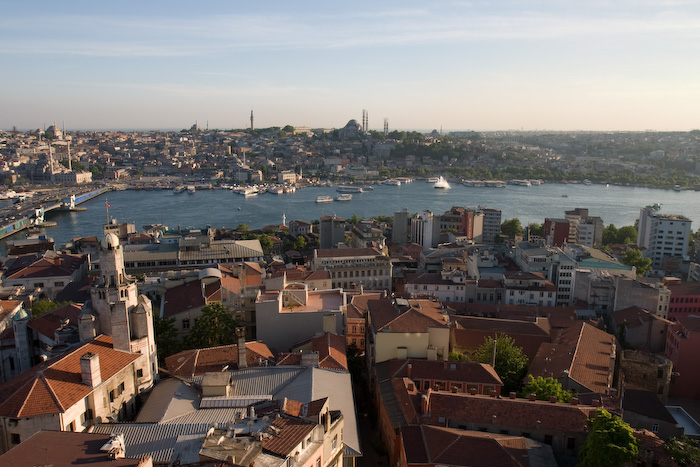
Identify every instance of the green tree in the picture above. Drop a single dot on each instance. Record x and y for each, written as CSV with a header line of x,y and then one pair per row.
x,y
535,229
299,243
41,307
355,219
634,257
265,243
610,234
545,388
242,228
610,442
216,326
627,235
684,451
510,362
511,227
288,129
167,341
457,357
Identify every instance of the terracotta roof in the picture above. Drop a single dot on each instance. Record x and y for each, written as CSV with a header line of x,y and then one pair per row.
x,y
60,266
194,362
420,315
330,348
635,316
7,307
683,288
470,332
56,385
360,301
646,403
434,445
48,323
583,351
516,413
189,296
63,449
468,372
293,432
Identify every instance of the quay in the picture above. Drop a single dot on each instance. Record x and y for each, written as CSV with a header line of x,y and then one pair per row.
x,y
33,215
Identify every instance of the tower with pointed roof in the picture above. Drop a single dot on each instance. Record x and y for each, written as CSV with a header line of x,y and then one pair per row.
x,y
116,309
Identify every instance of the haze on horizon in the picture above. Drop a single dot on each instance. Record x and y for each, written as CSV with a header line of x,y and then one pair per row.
x,y
601,65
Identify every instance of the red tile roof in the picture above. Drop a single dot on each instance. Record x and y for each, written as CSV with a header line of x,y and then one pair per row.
x,y
467,372
189,296
330,348
293,432
200,361
60,266
48,323
56,385
63,449
347,252
421,315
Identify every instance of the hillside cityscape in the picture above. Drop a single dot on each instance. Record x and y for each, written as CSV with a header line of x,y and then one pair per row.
x,y
455,338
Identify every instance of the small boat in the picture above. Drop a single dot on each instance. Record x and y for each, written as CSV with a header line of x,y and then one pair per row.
x,y
276,190
349,189
191,189
392,182
324,199
441,183
587,182
179,189
432,180
344,197
564,195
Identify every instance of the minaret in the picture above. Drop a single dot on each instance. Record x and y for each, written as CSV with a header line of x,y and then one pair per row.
x,y
284,218
252,126
386,127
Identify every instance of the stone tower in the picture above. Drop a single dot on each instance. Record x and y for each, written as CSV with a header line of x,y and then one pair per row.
x,y
116,309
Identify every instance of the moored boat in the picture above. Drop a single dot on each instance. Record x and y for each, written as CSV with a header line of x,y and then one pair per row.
x,y
349,189
344,197
324,199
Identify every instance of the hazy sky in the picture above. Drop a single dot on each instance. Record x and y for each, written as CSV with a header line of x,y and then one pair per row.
x,y
561,65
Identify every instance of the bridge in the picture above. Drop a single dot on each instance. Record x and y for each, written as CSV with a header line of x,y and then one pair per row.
x,y
22,216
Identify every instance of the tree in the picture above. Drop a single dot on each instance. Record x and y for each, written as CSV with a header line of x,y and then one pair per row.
x,y
41,307
634,257
216,326
545,388
457,357
167,341
265,243
511,227
684,451
242,228
610,234
288,129
355,219
535,229
627,235
510,362
610,442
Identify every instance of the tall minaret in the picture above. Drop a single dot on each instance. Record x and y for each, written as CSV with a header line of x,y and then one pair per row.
x,y
252,126
284,218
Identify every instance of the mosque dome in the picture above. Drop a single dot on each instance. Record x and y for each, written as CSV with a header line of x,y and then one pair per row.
x,y
53,132
110,242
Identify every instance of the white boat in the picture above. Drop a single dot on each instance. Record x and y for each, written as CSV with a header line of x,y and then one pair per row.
x,y
324,199
178,189
587,182
442,183
349,189
246,191
344,197
392,182
432,179
520,182
191,189
290,189
676,188
276,190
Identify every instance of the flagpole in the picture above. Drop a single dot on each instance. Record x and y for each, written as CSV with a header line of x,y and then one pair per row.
x,y
107,208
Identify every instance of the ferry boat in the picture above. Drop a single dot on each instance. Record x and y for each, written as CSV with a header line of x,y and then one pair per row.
x,y
393,182
432,179
495,183
178,189
537,182
246,191
191,189
324,199
442,183
344,197
349,189
587,182
676,188
276,190
404,179
520,182
290,189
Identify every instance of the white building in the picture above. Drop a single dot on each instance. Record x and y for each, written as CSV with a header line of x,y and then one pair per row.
x,y
663,235
425,230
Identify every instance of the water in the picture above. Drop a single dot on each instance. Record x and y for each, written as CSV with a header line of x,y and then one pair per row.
x,y
223,208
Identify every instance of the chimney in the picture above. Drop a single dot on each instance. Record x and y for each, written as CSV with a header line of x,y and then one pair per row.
x,y
511,394
424,404
553,399
574,401
492,393
472,391
90,369
309,359
242,359
409,370
532,397
596,403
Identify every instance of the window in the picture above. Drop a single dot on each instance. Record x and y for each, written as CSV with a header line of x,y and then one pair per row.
x,y
15,438
111,395
655,428
571,443
185,324
139,373
334,445
548,439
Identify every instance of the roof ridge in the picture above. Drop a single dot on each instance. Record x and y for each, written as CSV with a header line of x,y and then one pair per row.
x,y
196,358
53,393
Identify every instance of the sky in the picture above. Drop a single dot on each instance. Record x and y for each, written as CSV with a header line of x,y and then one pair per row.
x,y
626,65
